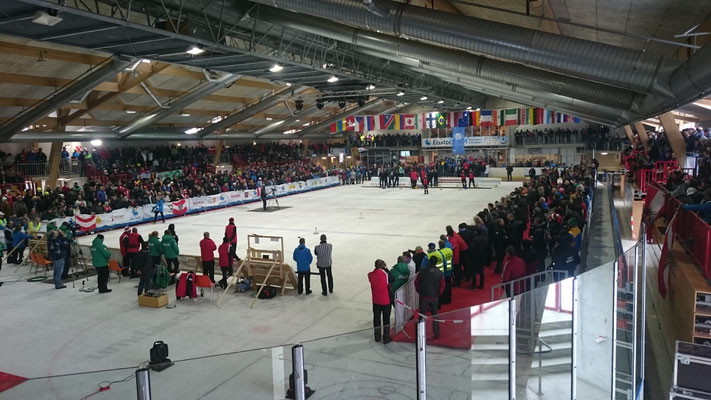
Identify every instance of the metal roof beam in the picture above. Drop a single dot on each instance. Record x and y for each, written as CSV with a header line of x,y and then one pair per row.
x,y
198,93
51,103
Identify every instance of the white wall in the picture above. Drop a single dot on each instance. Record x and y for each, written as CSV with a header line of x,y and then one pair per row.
x,y
568,154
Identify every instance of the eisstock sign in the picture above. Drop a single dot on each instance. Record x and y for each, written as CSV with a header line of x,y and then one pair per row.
x,y
469,141
141,214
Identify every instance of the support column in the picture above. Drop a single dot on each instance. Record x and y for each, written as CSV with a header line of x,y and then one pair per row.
x,y
676,141
630,134
305,151
55,156
642,133
218,151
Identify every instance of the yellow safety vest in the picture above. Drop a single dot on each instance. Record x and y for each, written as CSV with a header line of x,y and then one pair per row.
x,y
3,223
34,228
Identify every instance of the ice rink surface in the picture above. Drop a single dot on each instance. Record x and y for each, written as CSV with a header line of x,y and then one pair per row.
x,y
49,332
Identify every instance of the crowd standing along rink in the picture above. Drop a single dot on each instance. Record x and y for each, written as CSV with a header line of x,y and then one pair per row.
x,y
75,331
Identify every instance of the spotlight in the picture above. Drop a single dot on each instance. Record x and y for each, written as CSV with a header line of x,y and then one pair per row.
x,y
276,68
441,101
423,98
332,79
469,108
159,357
401,93
299,104
342,103
361,102
195,50
319,104
96,142
370,87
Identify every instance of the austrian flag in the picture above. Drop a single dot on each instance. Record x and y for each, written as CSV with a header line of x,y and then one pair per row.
x,y
180,207
86,222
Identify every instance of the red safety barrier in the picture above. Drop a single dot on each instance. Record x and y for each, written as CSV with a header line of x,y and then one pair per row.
x,y
693,232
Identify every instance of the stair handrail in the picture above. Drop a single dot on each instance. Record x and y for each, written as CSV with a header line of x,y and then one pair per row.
x,y
532,279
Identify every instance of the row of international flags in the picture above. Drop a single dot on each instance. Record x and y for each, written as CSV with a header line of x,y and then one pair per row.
x,y
434,120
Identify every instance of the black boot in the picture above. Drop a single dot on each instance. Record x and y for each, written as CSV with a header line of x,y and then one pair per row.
x,y
377,335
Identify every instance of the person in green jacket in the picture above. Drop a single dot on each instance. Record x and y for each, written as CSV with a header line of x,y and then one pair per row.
x,y
155,247
2,250
100,258
171,252
399,274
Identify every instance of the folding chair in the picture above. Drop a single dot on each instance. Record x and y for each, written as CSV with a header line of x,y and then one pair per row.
x,y
42,262
203,281
33,262
114,266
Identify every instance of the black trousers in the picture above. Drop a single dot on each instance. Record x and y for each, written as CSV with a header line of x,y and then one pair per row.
x,y
446,296
304,277
326,275
458,274
208,268
156,260
133,264
381,313
155,217
174,263
433,307
102,277
226,271
478,269
144,285
264,204
233,252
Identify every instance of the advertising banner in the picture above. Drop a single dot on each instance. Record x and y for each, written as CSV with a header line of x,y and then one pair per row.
x,y
469,141
136,215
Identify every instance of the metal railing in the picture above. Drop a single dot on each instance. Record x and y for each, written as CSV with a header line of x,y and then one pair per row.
x,y
528,283
66,167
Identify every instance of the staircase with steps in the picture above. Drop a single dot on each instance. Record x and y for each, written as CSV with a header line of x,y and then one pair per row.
x,y
490,363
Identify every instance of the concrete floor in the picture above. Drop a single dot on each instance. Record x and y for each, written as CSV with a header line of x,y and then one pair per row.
x,y
49,332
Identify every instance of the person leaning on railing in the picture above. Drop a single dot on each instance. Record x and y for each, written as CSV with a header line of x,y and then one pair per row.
x,y
704,207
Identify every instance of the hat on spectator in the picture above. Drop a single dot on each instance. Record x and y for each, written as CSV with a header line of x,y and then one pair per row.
x,y
2,214
126,228
431,246
690,191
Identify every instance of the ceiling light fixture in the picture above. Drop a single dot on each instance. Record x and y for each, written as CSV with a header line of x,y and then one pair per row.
x,y
299,104
469,108
96,142
604,153
276,68
342,103
423,98
289,84
478,109
370,87
269,118
184,114
400,93
47,18
129,111
332,79
192,131
441,101
319,104
195,50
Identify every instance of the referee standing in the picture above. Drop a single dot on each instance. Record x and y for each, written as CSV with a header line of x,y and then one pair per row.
x,y
323,261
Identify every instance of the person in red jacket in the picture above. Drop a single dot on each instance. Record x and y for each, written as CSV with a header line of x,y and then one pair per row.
x,y
380,290
413,177
207,255
459,246
231,234
225,261
122,246
133,243
514,268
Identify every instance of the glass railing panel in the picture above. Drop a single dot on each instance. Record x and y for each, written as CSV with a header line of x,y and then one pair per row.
x,y
544,334
641,318
470,359
354,365
594,332
626,323
74,386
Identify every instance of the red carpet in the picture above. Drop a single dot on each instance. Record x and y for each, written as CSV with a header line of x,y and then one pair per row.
x,y
9,381
455,328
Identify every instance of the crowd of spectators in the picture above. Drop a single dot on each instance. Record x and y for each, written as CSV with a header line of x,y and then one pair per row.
x,y
594,137
385,140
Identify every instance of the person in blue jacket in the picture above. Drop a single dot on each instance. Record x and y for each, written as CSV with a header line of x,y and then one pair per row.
x,y
303,258
158,209
704,208
19,243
